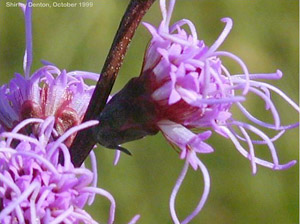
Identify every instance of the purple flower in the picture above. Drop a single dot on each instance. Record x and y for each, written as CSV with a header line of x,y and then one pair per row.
x,y
195,90
189,142
35,187
47,92
184,87
39,116
191,88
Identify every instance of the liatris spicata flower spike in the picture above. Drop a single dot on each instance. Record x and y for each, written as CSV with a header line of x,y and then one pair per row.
x,y
184,86
35,187
47,92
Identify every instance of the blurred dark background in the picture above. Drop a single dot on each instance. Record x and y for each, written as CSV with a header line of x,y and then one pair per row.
x,y
265,35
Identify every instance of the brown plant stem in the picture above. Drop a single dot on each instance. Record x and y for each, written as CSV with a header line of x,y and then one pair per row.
x,y
84,141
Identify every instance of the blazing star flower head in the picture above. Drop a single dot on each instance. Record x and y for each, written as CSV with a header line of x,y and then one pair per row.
x,y
185,86
49,91
35,187
193,89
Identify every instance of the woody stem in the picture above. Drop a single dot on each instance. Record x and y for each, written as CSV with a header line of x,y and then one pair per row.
x,y
84,140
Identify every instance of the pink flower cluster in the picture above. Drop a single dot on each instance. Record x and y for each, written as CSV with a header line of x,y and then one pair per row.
x,y
184,87
35,186
48,92
192,89
39,116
